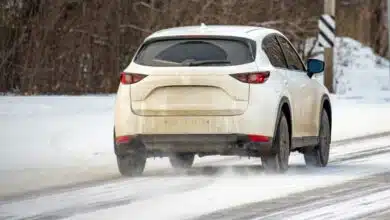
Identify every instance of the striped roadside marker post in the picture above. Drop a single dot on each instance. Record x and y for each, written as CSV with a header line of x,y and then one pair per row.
x,y
326,39
327,34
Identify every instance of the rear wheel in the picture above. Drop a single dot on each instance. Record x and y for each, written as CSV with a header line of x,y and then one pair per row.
x,y
278,161
182,160
132,164
319,155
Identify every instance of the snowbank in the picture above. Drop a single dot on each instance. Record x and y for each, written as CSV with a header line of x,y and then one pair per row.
x,y
54,130
359,73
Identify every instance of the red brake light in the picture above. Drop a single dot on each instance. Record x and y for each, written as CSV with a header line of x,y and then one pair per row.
x,y
131,78
258,138
123,139
252,78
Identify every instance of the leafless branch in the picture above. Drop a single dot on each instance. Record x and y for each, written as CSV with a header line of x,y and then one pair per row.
x,y
146,5
135,27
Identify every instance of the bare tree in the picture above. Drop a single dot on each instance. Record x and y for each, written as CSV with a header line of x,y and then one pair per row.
x,y
75,46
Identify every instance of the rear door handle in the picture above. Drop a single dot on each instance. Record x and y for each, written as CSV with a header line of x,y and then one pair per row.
x,y
285,82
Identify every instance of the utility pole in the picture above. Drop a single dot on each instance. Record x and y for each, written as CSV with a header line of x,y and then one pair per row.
x,y
330,9
388,30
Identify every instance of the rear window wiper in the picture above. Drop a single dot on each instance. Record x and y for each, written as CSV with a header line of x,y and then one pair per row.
x,y
205,62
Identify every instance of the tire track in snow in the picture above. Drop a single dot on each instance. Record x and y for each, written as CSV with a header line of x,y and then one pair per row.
x,y
106,196
345,206
288,206
92,199
360,138
378,215
111,179
361,154
305,202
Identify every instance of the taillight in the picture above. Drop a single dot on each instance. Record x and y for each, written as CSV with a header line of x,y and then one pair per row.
x,y
131,78
258,138
252,78
123,139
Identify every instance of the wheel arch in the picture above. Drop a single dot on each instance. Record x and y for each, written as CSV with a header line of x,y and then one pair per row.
x,y
285,108
326,105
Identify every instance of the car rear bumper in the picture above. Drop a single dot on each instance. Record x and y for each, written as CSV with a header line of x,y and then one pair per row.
x,y
216,144
259,118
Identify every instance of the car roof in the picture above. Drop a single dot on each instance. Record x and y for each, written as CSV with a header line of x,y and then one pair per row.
x,y
251,32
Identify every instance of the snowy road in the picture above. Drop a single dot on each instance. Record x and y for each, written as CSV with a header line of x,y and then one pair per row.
x,y
361,198
230,188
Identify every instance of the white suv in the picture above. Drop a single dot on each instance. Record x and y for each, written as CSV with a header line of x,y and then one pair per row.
x,y
220,90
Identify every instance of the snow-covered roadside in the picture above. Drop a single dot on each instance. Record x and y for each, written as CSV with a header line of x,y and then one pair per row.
x,y
358,117
358,71
58,140
53,131
47,141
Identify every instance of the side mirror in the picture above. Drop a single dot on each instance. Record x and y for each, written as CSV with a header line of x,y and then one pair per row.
x,y
314,66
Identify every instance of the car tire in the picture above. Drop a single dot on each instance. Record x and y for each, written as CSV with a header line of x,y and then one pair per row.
x,y
182,160
277,161
132,164
319,155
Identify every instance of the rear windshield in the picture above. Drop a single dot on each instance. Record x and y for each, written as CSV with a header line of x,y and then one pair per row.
x,y
195,52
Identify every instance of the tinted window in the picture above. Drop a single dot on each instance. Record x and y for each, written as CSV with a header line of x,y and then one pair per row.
x,y
274,52
181,52
292,57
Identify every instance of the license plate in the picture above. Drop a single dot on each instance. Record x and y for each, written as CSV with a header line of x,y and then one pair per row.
x,y
193,125
177,125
